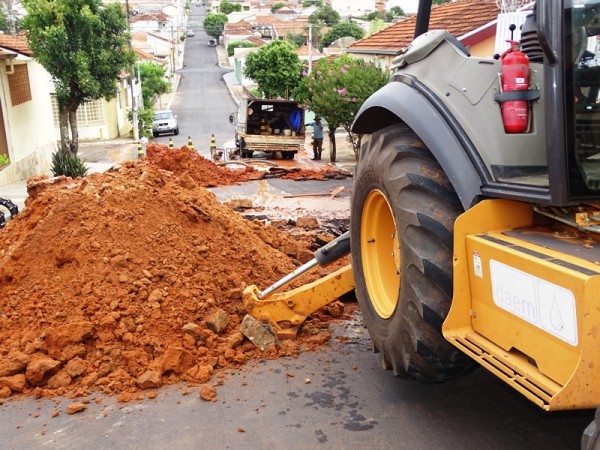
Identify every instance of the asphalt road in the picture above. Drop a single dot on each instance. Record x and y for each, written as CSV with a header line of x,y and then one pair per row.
x,y
202,102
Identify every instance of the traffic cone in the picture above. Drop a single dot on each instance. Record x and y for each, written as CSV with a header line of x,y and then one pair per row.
x,y
213,146
190,143
170,143
140,150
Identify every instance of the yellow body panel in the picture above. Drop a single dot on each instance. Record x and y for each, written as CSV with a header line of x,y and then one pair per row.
x,y
527,312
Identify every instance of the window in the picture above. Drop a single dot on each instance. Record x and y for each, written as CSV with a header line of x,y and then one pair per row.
x,y
88,114
18,83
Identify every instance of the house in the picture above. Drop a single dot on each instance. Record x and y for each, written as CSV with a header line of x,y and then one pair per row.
x,y
473,22
152,21
354,8
26,127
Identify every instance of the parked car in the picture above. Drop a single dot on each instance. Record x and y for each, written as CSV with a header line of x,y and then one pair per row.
x,y
212,43
165,122
190,33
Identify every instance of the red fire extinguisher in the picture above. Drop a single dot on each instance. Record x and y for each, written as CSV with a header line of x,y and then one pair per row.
x,y
515,77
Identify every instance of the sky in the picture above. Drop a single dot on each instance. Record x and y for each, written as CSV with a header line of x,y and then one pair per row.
x,y
408,6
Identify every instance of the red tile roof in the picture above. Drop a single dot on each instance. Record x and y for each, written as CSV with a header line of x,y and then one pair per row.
x,y
15,43
150,17
459,18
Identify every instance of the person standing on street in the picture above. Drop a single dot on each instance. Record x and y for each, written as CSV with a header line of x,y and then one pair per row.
x,y
317,138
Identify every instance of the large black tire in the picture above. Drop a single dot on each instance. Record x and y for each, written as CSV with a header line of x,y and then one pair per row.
x,y
403,213
591,435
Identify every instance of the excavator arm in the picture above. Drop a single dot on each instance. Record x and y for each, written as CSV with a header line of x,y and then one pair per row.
x,y
285,312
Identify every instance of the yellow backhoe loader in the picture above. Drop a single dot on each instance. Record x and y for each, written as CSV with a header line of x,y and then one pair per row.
x,y
475,214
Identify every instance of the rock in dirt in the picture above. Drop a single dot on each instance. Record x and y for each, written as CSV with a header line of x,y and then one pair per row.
x,y
149,379
74,408
208,393
260,335
217,321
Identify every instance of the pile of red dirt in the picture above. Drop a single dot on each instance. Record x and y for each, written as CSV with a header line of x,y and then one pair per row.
x,y
203,171
208,174
112,283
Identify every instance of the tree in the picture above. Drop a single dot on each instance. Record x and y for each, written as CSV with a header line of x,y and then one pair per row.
x,y
325,14
276,68
214,24
153,81
335,90
276,7
343,29
396,11
83,46
309,3
295,38
228,7
238,44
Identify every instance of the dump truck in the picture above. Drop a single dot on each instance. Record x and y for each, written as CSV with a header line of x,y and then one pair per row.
x,y
270,126
475,211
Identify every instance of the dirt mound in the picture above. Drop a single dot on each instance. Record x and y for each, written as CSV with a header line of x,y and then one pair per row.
x,y
132,279
208,174
203,171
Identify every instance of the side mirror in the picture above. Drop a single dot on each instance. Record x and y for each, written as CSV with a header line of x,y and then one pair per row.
x,y
231,118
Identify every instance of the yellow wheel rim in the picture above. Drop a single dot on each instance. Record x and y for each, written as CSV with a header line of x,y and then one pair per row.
x,y
380,253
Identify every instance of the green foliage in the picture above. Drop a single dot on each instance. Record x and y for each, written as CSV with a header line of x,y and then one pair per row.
x,y
336,89
4,159
67,164
227,7
384,16
309,3
83,44
153,82
376,26
439,2
325,14
238,44
343,29
145,119
276,7
296,39
284,68
374,15
396,11
214,24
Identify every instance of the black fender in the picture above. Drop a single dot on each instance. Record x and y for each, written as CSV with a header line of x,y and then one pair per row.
x,y
410,102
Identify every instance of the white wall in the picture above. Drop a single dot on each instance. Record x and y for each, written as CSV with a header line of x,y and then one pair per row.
x,y
29,128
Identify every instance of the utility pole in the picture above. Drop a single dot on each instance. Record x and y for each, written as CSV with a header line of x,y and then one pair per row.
x,y
172,51
136,131
12,29
309,48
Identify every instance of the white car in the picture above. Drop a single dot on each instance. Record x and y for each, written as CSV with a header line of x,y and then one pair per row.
x,y
190,33
165,122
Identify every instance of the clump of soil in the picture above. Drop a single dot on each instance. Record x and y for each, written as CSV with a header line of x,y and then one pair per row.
x,y
132,279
